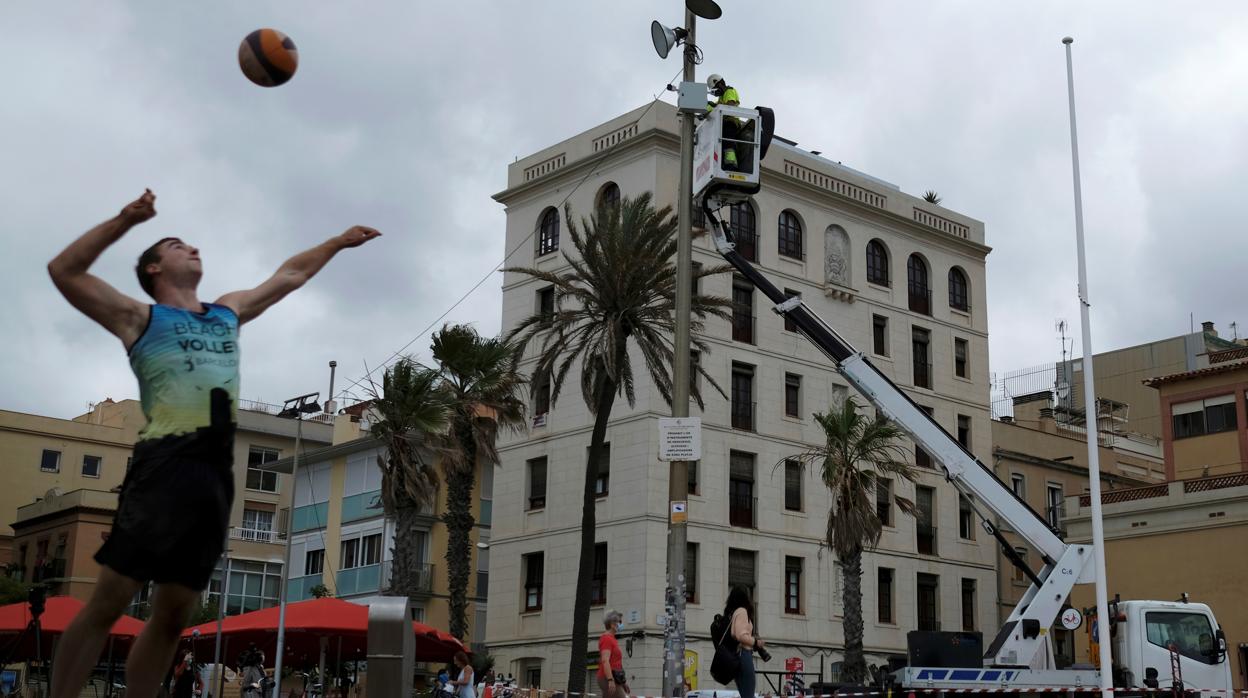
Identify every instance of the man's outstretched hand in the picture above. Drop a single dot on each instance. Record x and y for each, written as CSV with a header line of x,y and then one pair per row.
x,y
357,235
141,209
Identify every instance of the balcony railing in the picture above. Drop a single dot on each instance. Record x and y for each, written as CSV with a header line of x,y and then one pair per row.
x,y
741,509
925,538
258,535
423,582
920,299
742,328
743,415
922,374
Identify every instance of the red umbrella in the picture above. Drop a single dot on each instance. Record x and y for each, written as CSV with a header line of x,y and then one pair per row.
x,y
57,614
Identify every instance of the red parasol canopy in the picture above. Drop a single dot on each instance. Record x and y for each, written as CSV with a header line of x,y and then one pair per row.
x,y
58,613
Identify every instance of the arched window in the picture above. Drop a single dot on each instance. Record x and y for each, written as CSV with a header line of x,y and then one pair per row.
x,y
548,236
920,291
745,230
790,235
609,195
959,296
877,263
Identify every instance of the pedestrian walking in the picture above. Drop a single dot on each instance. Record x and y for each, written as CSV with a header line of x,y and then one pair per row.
x,y
612,681
740,612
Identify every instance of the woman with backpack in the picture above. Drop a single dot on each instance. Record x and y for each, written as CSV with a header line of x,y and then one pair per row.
x,y
739,611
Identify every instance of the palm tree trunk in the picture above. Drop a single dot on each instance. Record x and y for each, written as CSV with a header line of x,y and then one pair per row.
x,y
854,668
405,567
580,612
459,522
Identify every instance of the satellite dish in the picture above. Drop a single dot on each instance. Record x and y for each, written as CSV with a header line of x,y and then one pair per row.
x,y
664,39
706,9
1063,390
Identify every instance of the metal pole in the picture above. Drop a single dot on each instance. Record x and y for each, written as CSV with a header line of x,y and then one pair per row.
x,y
225,588
678,485
1089,404
284,596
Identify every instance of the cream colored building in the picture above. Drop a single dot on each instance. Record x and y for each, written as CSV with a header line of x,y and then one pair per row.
x,y
341,538
1171,539
877,264
1043,461
81,462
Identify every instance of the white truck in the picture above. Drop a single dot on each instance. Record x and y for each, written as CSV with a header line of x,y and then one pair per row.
x,y
1154,642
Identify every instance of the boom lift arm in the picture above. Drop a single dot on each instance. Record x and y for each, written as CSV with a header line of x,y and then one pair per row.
x,y
1022,641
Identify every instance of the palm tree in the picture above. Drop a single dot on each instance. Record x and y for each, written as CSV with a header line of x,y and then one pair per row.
x,y
931,197
858,455
415,412
620,290
482,379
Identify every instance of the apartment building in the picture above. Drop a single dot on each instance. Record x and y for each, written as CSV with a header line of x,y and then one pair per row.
x,y
64,475
900,278
1204,416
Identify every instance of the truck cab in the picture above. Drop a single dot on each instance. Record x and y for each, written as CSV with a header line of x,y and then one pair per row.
x,y
1150,636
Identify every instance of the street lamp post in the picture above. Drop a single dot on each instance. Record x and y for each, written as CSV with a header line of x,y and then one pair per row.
x,y
294,408
218,676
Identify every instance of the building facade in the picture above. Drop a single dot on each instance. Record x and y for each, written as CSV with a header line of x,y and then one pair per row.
x,y
1204,416
342,540
1173,540
901,279
78,465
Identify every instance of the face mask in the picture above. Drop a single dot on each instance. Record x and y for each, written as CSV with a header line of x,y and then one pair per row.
x,y
619,626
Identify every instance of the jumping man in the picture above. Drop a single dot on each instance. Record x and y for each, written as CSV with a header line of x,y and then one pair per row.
x,y
175,502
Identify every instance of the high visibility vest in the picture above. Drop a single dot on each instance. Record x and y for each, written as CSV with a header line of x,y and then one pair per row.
x,y
730,95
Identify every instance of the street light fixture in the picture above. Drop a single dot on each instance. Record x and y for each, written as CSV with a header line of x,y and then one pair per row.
x,y
293,408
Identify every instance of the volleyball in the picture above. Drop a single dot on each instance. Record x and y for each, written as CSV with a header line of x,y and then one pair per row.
x,y
268,57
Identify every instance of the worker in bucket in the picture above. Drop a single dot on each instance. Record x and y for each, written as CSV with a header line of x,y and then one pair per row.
x,y
725,94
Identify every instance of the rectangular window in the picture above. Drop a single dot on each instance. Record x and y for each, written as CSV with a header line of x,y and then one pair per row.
x,y
598,582
50,462
602,482
920,341
884,595
1199,417
884,501
879,335
350,550
541,399
966,519
741,569
922,458
927,602
793,485
959,358
741,489
925,528
537,483
533,564
695,281
742,310
257,525
695,375
1220,414
789,325
314,562
546,304
792,585
1019,484
964,431
90,466
370,550
1018,575
691,572
793,395
968,605
262,480
1054,505
742,396
692,472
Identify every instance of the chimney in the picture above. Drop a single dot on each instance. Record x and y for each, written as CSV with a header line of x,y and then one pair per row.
x,y
1027,407
1207,328
1047,422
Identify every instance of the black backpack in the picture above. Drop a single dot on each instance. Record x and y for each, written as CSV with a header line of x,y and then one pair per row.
x,y
719,627
726,664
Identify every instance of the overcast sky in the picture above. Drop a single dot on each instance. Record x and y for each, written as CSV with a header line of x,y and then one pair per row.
x,y
404,115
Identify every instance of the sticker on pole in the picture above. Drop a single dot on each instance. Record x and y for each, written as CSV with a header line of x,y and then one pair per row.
x,y
680,512
680,438
1071,619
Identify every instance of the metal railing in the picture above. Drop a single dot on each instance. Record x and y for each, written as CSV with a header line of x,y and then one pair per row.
x,y
267,408
743,415
920,298
258,535
925,538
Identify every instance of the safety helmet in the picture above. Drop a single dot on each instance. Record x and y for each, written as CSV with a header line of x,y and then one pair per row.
x,y
714,80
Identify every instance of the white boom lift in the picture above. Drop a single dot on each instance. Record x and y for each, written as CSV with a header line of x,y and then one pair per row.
x,y
1020,658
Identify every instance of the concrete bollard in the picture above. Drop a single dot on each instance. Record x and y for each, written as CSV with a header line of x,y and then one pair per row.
x,y
391,649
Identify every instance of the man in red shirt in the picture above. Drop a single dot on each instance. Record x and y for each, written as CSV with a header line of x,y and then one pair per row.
x,y
612,681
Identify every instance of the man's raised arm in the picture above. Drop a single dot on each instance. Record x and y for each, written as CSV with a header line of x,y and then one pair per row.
x,y
120,314
293,273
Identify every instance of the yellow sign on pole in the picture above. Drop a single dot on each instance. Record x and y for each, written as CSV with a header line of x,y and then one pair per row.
x,y
680,512
691,670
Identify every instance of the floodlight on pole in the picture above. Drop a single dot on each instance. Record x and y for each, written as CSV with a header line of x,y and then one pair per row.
x,y
664,38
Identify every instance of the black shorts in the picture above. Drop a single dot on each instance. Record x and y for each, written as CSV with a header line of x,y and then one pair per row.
x,y
174,511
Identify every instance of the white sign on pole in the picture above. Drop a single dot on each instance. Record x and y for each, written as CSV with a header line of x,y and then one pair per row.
x,y
680,438
1071,619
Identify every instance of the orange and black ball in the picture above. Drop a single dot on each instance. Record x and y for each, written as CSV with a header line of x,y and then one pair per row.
x,y
268,57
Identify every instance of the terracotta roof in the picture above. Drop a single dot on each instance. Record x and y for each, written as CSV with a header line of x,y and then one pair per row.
x,y
1198,373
